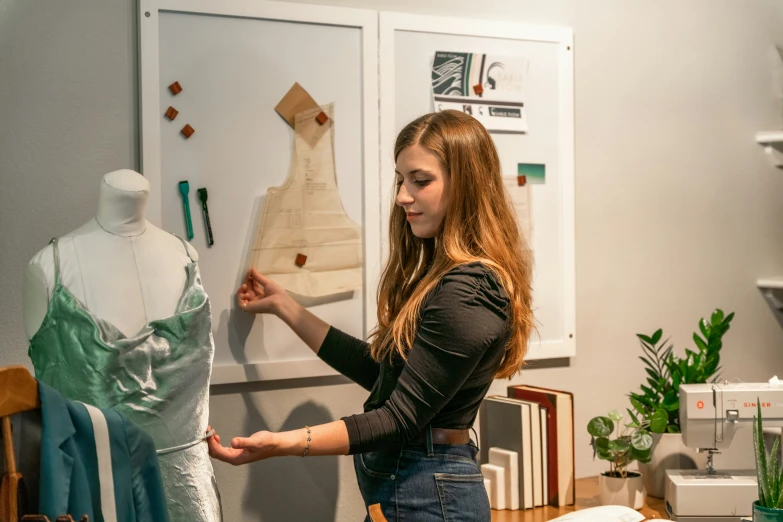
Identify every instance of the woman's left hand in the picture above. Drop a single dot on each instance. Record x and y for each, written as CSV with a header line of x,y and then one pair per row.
x,y
258,446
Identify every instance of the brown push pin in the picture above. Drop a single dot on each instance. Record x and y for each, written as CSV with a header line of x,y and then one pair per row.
x,y
300,260
478,89
521,180
187,130
175,88
171,113
322,118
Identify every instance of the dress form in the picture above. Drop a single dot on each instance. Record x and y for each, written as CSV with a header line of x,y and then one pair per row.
x,y
122,268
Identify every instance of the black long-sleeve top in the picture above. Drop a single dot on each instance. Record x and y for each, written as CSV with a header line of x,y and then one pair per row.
x,y
458,348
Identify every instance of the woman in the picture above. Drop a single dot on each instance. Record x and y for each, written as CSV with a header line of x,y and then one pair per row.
x,y
454,312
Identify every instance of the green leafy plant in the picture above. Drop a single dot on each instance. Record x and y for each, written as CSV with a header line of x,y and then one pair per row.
x,y
630,443
658,404
769,471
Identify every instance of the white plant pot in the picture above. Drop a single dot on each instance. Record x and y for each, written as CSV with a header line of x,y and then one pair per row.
x,y
668,452
628,492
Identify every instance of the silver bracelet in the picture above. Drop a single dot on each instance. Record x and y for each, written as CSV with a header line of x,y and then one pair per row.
x,y
307,446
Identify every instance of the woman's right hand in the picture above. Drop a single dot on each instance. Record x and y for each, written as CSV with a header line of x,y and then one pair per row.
x,y
259,295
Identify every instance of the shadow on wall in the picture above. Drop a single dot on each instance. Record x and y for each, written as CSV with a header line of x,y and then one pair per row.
x,y
237,324
291,488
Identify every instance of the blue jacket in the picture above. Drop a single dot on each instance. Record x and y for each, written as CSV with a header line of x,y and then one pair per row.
x,y
69,482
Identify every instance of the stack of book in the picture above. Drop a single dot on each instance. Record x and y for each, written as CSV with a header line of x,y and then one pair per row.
x,y
527,448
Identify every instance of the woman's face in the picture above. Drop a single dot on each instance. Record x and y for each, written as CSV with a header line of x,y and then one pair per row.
x,y
422,190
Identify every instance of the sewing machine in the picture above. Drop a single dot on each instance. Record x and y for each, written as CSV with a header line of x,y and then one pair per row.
x,y
710,416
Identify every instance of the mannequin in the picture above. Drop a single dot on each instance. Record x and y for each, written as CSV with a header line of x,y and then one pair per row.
x,y
117,253
118,318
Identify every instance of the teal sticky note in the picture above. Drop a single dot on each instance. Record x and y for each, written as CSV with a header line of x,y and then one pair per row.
x,y
533,172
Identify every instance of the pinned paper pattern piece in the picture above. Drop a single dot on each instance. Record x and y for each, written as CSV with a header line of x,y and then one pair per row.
x,y
305,215
521,199
175,88
534,173
187,130
296,100
171,113
301,259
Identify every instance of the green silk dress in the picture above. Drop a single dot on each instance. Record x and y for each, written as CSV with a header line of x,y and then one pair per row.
x,y
158,379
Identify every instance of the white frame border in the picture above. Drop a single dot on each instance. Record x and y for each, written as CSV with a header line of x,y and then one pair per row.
x,y
390,22
150,115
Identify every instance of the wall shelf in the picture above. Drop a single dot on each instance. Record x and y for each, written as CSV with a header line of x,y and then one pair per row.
x,y
770,282
772,141
772,289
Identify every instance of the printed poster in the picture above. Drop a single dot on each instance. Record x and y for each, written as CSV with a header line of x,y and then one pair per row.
x,y
488,87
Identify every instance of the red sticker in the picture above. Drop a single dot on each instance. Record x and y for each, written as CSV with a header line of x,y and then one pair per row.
x,y
700,405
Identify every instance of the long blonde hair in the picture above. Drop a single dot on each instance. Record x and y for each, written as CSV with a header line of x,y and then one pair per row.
x,y
479,225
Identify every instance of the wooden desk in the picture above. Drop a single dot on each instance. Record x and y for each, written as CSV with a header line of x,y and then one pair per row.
x,y
586,497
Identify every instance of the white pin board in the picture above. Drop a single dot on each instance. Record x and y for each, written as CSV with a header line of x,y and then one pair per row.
x,y
407,47
235,60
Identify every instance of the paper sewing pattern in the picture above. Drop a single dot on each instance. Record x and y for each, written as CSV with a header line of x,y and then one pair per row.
x,y
603,514
521,201
305,216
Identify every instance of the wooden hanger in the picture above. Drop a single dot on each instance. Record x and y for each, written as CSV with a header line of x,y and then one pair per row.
x,y
18,393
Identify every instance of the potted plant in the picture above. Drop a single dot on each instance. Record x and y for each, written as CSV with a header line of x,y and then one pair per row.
x,y
657,406
769,473
618,486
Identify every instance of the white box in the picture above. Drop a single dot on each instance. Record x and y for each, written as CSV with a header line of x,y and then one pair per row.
x,y
509,461
497,476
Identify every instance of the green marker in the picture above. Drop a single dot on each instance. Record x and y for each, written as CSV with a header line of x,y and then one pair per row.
x,y
202,196
184,189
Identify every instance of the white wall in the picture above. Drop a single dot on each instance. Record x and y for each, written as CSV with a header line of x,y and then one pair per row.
x,y
677,211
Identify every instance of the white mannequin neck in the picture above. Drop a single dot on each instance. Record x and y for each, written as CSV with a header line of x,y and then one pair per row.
x,y
122,203
116,253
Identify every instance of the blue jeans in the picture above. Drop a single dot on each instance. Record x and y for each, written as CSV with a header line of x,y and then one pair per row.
x,y
424,482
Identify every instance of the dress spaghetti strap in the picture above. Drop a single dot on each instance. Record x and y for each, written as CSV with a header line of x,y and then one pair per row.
x,y
56,252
